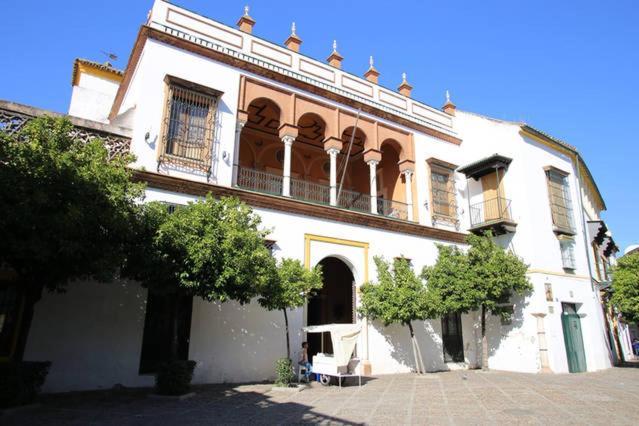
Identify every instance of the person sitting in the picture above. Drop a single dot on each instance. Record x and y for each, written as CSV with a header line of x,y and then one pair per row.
x,y
303,361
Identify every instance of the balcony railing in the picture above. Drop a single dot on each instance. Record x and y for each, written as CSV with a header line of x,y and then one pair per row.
x,y
352,200
490,211
310,191
392,208
259,181
269,183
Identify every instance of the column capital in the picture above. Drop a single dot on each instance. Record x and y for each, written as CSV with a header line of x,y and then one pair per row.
x,y
372,154
332,142
239,125
408,173
405,165
333,151
288,130
372,163
288,139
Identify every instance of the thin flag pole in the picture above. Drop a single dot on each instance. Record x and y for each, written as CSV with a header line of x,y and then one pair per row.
x,y
348,155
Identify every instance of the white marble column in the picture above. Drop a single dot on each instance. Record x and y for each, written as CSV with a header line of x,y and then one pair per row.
x,y
236,151
332,152
372,167
286,176
408,174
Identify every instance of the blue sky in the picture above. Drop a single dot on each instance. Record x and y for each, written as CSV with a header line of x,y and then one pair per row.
x,y
567,67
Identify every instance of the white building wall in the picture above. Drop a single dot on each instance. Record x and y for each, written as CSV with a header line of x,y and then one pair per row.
x,y
237,343
92,334
92,97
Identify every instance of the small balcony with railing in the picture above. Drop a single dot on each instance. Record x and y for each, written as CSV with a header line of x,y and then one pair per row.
x,y
493,213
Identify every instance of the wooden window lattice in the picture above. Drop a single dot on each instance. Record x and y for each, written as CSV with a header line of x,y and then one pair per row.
x,y
560,201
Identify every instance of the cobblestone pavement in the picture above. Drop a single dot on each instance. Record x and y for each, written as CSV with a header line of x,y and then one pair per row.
x,y
453,398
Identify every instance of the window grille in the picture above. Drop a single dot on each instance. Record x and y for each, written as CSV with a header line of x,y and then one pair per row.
x,y
560,201
188,127
567,247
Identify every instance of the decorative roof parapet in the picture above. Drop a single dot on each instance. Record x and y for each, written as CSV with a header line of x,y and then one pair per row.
x,y
220,42
14,116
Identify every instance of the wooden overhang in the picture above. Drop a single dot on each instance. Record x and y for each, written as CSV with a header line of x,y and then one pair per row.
x,y
485,166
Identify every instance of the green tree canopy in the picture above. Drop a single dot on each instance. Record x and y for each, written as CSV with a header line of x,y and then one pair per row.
x,y
625,286
67,207
484,278
398,297
293,286
213,249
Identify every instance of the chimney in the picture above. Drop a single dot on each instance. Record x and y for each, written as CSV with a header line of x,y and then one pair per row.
x,y
372,74
246,23
405,88
293,42
335,59
449,107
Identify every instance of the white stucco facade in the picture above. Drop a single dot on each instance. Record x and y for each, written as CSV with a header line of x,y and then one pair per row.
x,y
99,327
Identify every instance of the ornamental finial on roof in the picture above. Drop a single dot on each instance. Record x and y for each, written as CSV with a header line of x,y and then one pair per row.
x,y
293,28
370,61
246,10
334,45
449,107
403,77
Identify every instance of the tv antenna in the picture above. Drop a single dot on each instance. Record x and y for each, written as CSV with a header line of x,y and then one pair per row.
x,y
110,55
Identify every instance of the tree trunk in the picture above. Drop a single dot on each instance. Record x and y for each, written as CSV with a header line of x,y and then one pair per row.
x,y
413,342
176,326
615,336
288,341
33,294
484,340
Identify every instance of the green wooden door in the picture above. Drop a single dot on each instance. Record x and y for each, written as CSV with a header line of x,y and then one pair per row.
x,y
574,342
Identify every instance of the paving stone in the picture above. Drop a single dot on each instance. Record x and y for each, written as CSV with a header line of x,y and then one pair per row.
x,y
607,397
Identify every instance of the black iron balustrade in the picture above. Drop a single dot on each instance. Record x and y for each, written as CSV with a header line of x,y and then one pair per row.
x,y
489,211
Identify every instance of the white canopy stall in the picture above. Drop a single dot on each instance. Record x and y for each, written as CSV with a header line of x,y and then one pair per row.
x,y
339,364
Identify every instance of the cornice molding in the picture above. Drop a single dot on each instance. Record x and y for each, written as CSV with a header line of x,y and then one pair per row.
x,y
288,205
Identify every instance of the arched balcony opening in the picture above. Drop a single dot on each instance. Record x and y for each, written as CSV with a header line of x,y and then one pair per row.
x,y
355,188
391,183
261,151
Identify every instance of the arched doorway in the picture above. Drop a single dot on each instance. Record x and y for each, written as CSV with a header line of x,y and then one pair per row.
x,y
333,304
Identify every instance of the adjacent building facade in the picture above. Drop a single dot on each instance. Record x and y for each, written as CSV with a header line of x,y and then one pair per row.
x,y
341,169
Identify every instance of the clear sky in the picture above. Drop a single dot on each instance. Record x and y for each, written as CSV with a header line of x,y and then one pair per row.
x,y
567,67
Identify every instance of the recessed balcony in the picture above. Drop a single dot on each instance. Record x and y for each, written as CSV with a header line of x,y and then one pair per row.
x,y
312,192
492,215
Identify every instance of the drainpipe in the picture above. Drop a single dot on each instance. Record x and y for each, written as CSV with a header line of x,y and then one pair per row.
x,y
583,227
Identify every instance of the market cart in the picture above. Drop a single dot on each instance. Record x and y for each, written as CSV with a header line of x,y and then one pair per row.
x,y
339,364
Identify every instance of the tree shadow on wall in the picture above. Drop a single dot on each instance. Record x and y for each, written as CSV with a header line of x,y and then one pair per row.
x,y
497,331
428,339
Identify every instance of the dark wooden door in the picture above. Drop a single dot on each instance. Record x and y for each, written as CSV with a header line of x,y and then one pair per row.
x,y
452,338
